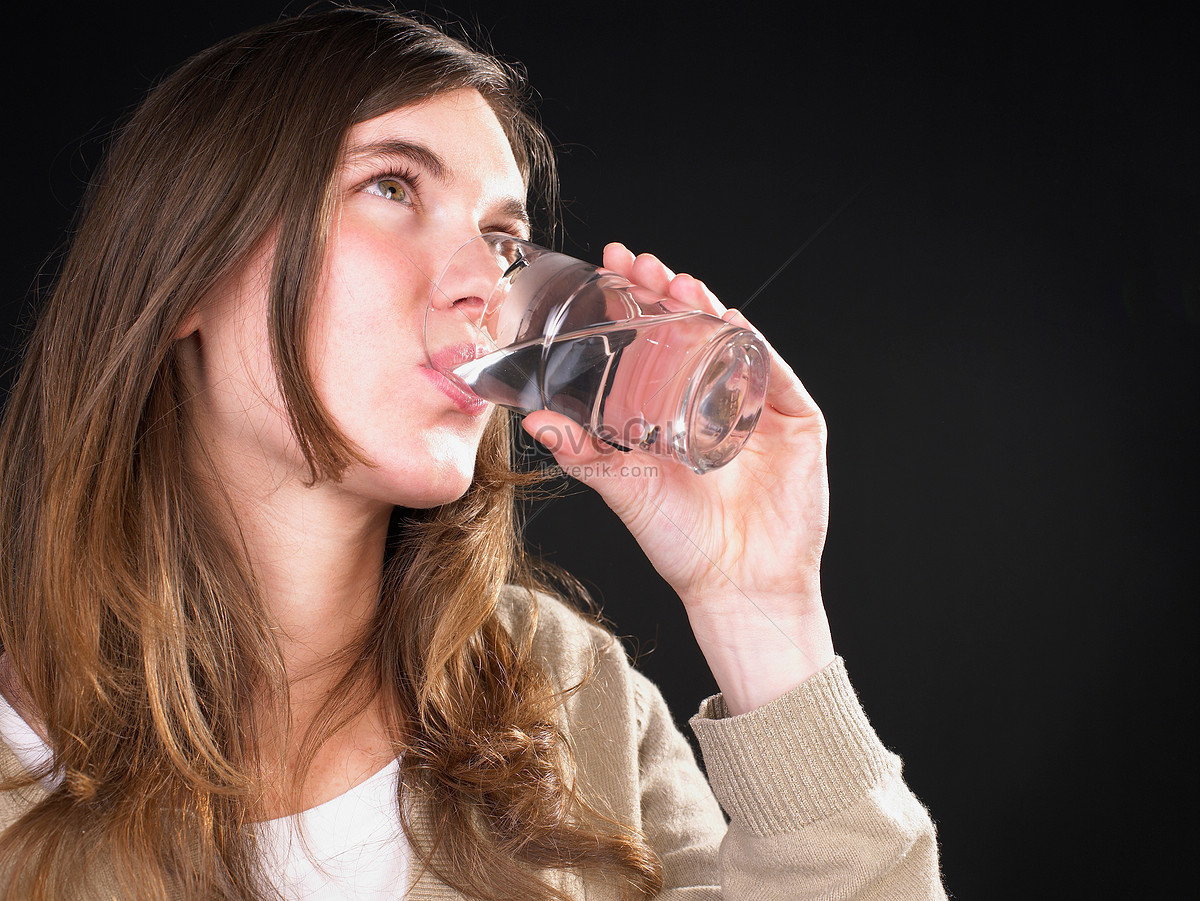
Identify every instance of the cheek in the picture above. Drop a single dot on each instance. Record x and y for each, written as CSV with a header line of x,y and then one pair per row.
x,y
367,351
368,320
369,291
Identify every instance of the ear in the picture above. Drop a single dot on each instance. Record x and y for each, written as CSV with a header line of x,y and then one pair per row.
x,y
189,326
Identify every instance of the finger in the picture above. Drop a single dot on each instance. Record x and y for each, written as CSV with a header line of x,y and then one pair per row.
x,y
619,478
618,258
785,392
695,294
649,272
571,444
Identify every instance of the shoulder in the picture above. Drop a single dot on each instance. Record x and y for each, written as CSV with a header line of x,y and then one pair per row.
x,y
17,792
566,641
581,656
520,608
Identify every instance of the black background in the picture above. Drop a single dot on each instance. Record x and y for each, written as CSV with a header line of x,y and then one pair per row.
x,y
1001,325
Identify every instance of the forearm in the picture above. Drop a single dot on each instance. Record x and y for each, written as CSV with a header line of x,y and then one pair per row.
x,y
760,648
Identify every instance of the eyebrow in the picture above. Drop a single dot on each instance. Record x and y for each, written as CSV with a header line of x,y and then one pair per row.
x,y
514,209
418,153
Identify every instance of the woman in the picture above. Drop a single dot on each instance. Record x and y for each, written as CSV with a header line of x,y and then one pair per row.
x,y
267,628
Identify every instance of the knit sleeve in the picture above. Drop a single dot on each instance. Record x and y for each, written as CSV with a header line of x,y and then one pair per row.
x,y
818,808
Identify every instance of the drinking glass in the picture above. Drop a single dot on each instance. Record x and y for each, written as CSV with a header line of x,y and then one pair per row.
x,y
533,329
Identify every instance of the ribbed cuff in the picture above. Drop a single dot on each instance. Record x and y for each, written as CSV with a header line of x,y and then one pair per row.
x,y
796,760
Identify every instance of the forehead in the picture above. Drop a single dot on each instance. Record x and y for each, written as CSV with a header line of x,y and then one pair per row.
x,y
459,127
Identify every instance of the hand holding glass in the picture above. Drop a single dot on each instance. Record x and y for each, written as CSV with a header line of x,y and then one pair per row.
x,y
533,329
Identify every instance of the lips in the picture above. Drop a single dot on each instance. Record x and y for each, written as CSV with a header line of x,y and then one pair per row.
x,y
442,362
448,358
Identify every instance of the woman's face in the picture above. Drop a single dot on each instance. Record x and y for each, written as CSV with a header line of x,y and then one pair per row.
x,y
414,185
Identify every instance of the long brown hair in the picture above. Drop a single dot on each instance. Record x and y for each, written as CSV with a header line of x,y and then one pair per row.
x,y
133,624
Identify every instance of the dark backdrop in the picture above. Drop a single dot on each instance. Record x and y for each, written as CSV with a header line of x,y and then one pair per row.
x,y
997,305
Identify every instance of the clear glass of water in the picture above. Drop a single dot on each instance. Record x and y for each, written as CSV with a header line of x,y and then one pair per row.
x,y
532,329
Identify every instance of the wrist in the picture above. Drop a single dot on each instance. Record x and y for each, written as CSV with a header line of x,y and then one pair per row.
x,y
759,649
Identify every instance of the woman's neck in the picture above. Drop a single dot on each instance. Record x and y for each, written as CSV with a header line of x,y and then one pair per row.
x,y
316,554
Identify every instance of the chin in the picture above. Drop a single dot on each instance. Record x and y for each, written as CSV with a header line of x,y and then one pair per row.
x,y
435,496
430,482
436,468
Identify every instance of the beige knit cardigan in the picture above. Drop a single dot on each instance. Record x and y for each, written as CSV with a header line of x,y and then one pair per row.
x,y
817,807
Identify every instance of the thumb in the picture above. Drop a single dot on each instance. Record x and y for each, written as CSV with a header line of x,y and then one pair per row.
x,y
573,446
618,477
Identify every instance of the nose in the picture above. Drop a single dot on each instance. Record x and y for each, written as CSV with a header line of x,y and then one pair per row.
x,y
470,276
464,298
